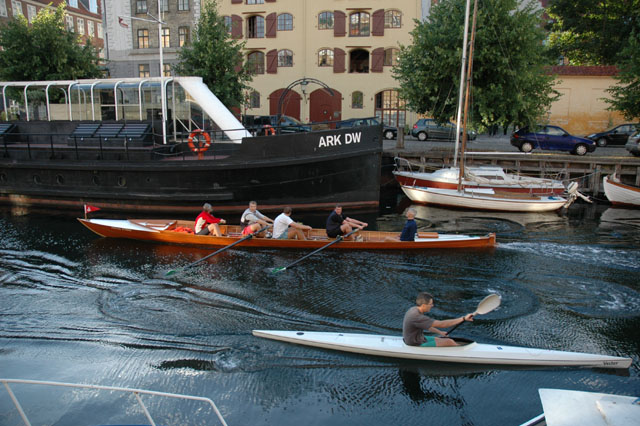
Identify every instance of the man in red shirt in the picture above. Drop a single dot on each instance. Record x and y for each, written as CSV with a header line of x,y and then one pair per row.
x,y
206,223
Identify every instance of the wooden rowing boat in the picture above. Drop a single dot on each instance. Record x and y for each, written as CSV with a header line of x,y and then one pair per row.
x,y
469,352
165,231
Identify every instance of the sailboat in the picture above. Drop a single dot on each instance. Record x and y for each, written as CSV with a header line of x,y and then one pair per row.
x,y
482,188
621,194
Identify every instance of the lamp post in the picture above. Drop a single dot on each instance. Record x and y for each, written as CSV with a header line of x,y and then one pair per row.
x,y
163,95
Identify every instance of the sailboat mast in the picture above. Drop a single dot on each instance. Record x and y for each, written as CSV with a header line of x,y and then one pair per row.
x,y
467,92
462,73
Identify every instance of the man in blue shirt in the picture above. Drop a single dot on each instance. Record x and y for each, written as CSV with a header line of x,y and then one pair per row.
x,y
410,228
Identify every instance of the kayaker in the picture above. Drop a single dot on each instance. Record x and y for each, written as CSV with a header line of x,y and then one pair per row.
x,y
340,225
285,228
253,220
206,223
416,322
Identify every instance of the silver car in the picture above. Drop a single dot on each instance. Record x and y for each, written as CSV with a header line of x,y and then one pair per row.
x,y
428,128
633,144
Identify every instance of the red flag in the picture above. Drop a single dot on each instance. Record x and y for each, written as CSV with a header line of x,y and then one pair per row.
x,y
89,209
122,23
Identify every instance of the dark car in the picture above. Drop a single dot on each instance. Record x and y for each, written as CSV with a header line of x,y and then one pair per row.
x,y
616,136
389,132
633,144
260,125
551,138
428,128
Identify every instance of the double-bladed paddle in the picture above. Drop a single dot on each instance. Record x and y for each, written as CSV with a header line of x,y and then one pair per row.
x,y
337,240
248,237
485,306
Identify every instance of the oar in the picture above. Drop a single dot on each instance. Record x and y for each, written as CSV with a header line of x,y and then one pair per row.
x,y
248,237
485,306
291,265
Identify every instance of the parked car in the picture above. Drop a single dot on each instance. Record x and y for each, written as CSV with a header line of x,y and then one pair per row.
x,y
259,124
633,144
616,136
389,132
428,128
551,138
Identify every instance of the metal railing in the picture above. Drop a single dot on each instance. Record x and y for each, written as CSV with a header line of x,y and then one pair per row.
x,y
135,392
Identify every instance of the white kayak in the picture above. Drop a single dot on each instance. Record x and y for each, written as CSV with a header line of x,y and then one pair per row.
x,y
469,352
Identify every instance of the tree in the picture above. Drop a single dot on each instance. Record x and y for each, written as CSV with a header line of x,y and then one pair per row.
x,y
510,84
625,97
45,50
592,32
215,57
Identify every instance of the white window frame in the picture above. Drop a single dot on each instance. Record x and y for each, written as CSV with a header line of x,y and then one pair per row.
x,y
16,8
81,26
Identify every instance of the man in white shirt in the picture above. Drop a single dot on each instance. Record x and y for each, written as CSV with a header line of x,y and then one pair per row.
x,y
253,220
285,228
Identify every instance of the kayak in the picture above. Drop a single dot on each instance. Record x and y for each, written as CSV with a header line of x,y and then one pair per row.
x,y
469,351
177,232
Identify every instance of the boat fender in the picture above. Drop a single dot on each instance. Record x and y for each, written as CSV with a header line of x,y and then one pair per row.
x,y
195,136
268,130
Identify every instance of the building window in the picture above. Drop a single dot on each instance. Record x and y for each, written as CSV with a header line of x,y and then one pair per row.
x,y
143,70
359,24
16,7
255,60
141,6
69,22
357,100
143,39
166,39
3,9
255,27
91,29
164,5
254,99
255,1
100,30
325,21
390,109
392,19
166,70
285,58
183,5
31,12
390,57
81,26
228,22
325,58
73,3
183,36
359,61
285,22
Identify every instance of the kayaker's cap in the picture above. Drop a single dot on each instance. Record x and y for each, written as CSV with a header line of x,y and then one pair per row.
x,y
207,207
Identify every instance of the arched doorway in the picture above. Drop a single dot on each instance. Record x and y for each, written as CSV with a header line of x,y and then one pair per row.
x,y
290,103
390,109
324,107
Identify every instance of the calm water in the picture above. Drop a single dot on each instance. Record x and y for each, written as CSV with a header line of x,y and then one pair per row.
x,y
78,308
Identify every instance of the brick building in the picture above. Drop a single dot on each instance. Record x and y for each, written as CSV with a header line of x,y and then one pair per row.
x,y
83,16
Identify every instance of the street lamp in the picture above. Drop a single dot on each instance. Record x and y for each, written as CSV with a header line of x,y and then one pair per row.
x,y
163,95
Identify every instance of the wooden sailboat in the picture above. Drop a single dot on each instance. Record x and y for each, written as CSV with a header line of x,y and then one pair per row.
x,y
483,197
621,194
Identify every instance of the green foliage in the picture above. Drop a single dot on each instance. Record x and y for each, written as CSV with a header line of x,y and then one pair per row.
x,y
592,32
45,50
215,57
510,85
625,97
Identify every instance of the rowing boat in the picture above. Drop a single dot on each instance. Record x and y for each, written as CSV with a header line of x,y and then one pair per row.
x,y
469,351
167,232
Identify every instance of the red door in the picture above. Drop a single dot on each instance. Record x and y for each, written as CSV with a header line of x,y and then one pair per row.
x,y
290,103
324,107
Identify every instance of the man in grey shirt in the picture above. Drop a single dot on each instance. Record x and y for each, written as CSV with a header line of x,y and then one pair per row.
x,y
415,323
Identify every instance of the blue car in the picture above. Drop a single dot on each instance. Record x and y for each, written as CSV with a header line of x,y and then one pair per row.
x,y
551,138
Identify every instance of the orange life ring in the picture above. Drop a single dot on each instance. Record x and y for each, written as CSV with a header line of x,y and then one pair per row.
x,y
268,130
195,135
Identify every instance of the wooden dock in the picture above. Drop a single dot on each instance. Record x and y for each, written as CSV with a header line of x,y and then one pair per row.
x,y
588,170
